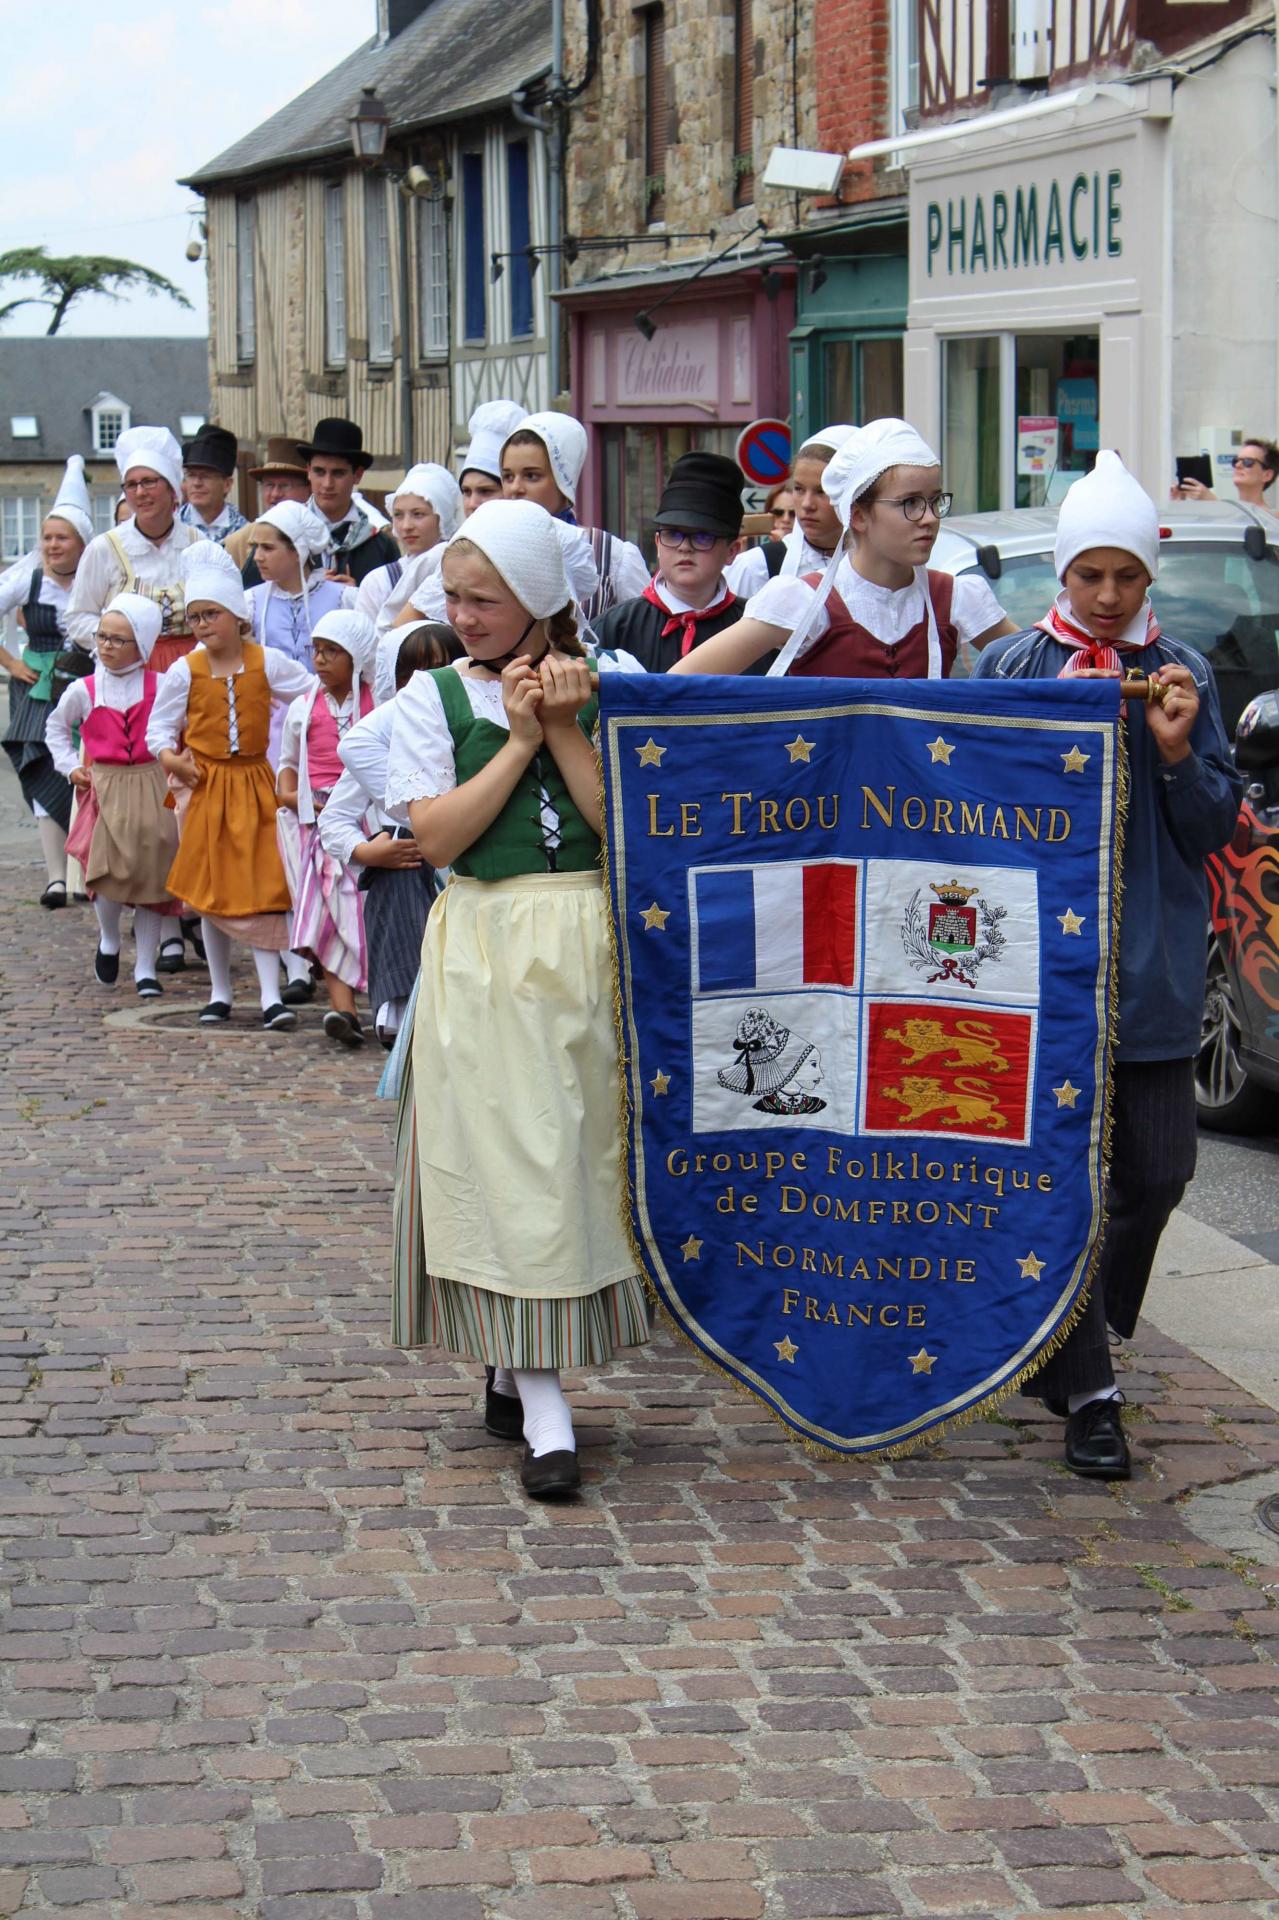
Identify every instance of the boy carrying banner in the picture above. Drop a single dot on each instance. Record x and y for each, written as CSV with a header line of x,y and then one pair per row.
x,y
1183,803
877,612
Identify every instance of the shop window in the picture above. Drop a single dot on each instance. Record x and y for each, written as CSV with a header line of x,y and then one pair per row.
x,y
1020,416
861,377
334,274
971,403
517,184
656,114
634,464
743,104
475,295
377,272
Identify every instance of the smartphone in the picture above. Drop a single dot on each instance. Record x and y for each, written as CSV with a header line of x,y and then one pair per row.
x,y
1194,466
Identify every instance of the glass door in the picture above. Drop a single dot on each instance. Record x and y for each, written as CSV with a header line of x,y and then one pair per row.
x,y
861,377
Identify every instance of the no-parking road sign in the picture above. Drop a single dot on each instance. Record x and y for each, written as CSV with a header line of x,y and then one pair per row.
x,y
763,452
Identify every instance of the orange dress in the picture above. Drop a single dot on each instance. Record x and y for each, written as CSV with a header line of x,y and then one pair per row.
x,y
228,861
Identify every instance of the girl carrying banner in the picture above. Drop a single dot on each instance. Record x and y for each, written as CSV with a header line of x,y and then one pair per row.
x,y
1183,802
514,1192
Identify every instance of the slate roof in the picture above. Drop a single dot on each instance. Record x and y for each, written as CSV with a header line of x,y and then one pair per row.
x,y
458,58
59,379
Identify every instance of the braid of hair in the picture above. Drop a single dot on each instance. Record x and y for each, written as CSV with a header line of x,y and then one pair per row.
x,y
561,633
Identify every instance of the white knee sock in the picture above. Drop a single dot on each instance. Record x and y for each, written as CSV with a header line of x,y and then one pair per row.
x,y
147,924
296,968
548,1418
268,966
1077,1400
504,1382
217,951
108,912
53,845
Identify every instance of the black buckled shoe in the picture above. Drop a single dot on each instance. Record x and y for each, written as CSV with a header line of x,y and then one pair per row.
x,y
1095,1443
550,1476
172,956
55,894
106,968
503,1412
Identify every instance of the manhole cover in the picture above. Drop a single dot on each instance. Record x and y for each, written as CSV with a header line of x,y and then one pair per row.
x,y
1268,1513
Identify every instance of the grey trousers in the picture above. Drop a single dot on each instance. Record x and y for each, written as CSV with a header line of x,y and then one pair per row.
x,y
1153,1159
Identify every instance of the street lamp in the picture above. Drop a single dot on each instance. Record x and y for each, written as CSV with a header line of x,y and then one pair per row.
x,y
370,125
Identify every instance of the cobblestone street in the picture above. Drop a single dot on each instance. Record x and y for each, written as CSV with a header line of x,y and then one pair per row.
x,y
284,1638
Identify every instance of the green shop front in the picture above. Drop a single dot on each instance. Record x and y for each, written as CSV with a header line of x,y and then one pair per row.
x,y
850,318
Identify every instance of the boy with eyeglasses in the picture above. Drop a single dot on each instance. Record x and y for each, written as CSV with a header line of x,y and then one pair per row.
x,y
698,518
878,611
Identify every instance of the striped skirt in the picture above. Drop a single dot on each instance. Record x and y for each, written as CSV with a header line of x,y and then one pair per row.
x,y
42,785
328,910
396,903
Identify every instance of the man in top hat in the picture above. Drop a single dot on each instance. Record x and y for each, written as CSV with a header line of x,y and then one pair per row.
x,y
335,461
208,474
688,600
282,476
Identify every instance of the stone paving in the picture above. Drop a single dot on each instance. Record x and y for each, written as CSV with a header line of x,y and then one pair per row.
x,y
283,1638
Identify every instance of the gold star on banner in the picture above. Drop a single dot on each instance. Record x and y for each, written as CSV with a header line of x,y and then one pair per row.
x,y
1070,921
661,1083
941,750
786,1349
1031,1267
692,1248
655,916
650,754
1066,1094
923,1361
799,748
1075,761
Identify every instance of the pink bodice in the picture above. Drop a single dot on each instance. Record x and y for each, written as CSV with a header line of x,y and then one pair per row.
x,y
119,738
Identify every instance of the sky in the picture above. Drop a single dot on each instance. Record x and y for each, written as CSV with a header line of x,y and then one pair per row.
x,y
106,107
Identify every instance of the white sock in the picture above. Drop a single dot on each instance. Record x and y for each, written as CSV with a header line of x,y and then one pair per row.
x,y
53,845
296,968
388,1018
548,1418
268,966
108,912
504,1382
217,952
147,924
1077,1400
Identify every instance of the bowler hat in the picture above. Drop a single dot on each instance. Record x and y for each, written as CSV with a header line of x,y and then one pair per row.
x,y
340,438
211,447
281,457
703,492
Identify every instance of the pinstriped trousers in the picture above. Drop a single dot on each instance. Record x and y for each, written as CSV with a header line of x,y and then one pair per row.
x,y
1154,1144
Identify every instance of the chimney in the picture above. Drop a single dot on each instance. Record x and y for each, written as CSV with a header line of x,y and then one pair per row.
x,y
394,15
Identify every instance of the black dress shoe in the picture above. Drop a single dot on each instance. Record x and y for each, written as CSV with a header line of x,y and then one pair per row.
x,y
344,1028
148,989
172,957
550,1476
106,968
216,1014
298,992
55,894
278,1017
1095,1443
503,1412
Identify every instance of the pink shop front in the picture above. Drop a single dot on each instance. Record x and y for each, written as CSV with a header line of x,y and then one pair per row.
x,y
718,359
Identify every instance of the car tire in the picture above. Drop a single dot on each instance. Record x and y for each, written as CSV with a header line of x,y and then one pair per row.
x,y
1227,1101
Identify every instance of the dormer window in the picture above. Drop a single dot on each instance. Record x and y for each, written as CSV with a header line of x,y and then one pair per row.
x,y
109,419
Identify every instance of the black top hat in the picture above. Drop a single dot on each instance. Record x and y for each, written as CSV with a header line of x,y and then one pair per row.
x,y
341,438
212,447
703,492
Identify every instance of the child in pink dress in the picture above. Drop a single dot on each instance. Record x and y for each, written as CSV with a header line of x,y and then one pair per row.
x,y
328,911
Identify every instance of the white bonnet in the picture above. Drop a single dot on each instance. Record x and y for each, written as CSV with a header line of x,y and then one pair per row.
x,y
208,572
832,437
491,426
144,617
867,453
153,448
520,541
352,632
565,441
436,485
301,526
72,503
1107,508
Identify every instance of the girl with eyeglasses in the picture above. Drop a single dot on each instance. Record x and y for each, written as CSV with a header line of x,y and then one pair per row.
x,y
877,611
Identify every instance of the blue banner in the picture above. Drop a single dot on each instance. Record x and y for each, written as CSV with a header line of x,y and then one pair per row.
x,y
865,935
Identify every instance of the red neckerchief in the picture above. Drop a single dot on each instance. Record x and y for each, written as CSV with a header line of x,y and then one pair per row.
x,y
689,618
1103,655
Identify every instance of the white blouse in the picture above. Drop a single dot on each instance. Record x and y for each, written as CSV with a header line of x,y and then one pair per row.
x,y
887,612
420,764
286,679
15,589
749,572
117,691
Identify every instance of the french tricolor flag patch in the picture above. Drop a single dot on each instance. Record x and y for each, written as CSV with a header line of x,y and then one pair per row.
x,y
786,924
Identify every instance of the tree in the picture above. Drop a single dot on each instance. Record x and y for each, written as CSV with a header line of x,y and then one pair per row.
x,y
62,281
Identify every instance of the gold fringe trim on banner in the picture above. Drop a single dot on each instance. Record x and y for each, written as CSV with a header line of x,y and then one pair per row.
x,y
991,1402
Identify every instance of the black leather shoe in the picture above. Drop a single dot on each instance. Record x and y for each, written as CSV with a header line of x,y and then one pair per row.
x,y
550,1476
172,957
55,894
1095,1443
215,1014
503,1412
277,1018
298,992
106,968
148,989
